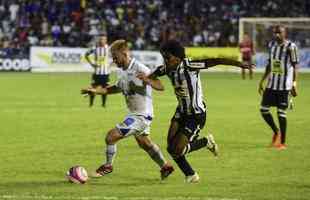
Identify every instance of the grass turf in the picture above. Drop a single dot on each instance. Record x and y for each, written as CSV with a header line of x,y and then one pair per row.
x,y
47,127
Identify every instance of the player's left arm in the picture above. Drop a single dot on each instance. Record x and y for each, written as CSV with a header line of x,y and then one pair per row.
x,y
87,57
212,62
294,61
295,74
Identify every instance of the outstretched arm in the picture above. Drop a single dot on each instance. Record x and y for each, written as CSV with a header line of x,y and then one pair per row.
x,y
113,89
211,62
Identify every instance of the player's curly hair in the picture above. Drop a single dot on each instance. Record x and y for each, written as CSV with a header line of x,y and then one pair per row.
x,y
174,48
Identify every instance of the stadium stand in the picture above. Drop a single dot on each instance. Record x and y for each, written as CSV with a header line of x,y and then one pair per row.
x,y
146,23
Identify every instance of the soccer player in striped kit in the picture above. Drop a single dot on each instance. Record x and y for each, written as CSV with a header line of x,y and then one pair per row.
x,y
100,63
281,72
190,115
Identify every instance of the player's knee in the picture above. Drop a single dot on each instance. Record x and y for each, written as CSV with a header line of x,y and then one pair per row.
x,y
174,152
144,146
264,110
110,137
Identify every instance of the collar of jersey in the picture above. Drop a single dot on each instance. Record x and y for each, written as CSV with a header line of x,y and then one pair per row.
x,y
183,64
131,63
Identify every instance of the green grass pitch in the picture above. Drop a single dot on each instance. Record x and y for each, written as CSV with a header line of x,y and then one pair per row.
x,y
46,127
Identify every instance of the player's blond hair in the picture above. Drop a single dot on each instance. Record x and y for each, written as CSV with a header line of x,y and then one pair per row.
x,y
119,45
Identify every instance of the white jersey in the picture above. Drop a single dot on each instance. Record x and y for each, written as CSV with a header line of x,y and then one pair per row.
x,y
137,94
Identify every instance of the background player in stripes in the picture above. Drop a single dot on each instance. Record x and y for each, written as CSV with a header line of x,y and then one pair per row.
x,y
138,96
98,58
190,114
281,72
247,51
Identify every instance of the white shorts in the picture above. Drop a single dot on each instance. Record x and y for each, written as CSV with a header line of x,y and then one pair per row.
x,y
134,125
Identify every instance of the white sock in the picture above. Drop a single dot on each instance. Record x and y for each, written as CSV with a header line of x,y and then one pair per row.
x,y
156,155
110,153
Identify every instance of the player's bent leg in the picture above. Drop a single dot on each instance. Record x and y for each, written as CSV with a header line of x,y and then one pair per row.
x,y
156,154
176,150
111,139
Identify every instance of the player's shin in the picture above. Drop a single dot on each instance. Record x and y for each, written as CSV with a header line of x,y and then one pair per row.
x,y
268,119
181,162
283,124
103,99
156,155
184,166
91,100
195,145
110,153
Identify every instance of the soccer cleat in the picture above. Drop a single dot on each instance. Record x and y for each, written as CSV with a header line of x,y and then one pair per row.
x,y
276,139
211,145
103,170
192,179
165,171
281,146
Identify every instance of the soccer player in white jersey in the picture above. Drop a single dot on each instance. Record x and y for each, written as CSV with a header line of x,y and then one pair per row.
x,y
190,115
281,72
100,63
138,96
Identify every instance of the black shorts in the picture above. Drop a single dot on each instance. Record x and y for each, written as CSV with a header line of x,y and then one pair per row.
x,y
190,125
277,98
100,80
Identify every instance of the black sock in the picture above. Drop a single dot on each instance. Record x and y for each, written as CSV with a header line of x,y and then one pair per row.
x,y
282,122
268,118
103,98
91,100
197,144
184,166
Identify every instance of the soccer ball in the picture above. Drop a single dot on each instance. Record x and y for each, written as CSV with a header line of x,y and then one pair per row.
x,y
77,174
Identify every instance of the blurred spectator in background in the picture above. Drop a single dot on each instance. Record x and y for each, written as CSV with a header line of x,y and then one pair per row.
x,y
247,52
197,23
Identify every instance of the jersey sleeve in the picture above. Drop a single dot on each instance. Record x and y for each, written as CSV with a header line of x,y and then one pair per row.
x,y
159,71
144,69
294,54
195,65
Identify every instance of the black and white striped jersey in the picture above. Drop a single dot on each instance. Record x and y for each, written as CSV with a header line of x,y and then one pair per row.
x,y
282,58
187,86
100,58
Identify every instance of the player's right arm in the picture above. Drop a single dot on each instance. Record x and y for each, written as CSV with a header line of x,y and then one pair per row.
x,y
151,80
87,54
